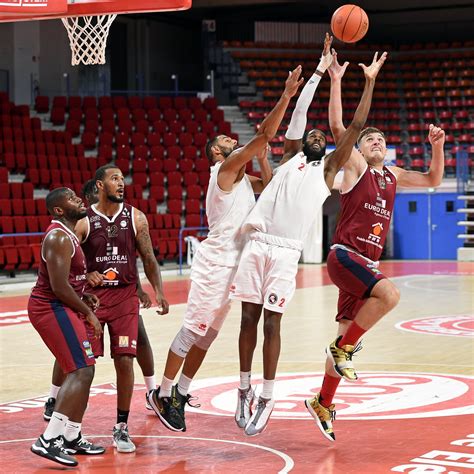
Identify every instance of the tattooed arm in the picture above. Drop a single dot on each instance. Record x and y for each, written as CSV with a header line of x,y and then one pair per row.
x,y
150,265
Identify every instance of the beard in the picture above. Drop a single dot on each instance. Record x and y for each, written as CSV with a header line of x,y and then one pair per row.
x,y
313,155
75,214
226,151
115,199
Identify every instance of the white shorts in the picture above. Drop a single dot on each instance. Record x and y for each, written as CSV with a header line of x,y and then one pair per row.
x,y
208,298
266,275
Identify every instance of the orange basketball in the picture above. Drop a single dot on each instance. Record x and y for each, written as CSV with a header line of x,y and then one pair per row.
x,y
349,23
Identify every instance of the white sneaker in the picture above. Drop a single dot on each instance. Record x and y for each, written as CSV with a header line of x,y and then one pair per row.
x,y
259,420
244,406
122,440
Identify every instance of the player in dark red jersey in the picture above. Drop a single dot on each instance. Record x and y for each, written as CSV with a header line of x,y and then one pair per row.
x,y
144,350
367,199
58,309
111,234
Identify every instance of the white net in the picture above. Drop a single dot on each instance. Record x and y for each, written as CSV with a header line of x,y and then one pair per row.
x,y
88,37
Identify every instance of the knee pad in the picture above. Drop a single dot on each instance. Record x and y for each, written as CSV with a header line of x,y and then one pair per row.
x,y
183,341
204,342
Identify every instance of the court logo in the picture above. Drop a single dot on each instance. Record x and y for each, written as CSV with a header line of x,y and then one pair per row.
x,y
272,298
394,395
456,325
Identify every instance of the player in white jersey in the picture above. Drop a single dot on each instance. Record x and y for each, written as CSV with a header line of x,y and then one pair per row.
x,y
230,197
277,227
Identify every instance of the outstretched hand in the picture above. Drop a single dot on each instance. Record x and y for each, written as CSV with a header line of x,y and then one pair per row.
x,y
326,58
436,135
336,70
373,69
293,82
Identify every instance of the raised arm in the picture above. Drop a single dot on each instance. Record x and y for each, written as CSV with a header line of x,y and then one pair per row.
x,y
336,72
434,176
342,153
296,128
232,166
57,251
150,265
259,184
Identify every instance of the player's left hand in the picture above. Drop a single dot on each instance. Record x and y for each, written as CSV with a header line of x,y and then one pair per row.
x,y
326,57
163,306
144,298
91,300
436,136
263,155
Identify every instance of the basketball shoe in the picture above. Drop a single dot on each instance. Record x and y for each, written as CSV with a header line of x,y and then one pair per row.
x,y
259,420
81,445
182,401
167,409
147,398
53,450
323,416
342,359
243,412
122,440
48,409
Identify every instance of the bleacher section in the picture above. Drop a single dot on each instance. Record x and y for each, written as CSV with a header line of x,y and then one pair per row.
x,y
157,143
416,86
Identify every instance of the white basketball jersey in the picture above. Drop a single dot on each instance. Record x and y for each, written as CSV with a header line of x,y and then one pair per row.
x,y
226,211
288,205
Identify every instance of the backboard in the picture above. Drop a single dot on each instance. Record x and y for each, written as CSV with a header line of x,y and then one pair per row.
x,y
25,10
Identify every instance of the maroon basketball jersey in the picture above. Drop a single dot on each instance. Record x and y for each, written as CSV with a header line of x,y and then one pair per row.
x,y
366,211
77,272
110,246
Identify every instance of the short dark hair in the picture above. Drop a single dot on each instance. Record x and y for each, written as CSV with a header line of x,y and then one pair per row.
x,y
100,172
368,130
212,142
54,197
89,188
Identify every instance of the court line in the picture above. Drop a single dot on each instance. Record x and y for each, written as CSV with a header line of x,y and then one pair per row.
x,y
289,463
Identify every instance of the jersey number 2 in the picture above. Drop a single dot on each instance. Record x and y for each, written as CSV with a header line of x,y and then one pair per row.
x,y
281,303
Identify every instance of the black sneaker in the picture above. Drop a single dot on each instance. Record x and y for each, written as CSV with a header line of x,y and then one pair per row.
x,y
147,400
81,445
48,409
167,410
53,450
182,401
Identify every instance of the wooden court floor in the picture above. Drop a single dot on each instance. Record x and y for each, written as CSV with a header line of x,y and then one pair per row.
x,y
411,410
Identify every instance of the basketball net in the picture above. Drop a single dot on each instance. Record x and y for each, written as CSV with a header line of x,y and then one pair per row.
x,y
88,37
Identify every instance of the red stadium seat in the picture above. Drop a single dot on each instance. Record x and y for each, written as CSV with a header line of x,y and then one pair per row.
x,y
157,179
175,192
158,193
174,178
192,206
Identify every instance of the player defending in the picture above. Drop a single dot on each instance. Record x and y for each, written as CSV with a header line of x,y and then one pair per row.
x,y
144,350
59,309
367,199
230,197
277,226
111,234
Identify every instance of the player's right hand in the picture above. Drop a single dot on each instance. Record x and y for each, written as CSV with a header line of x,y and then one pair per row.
x,y
92,320
293,82
95,279
373,69
336,71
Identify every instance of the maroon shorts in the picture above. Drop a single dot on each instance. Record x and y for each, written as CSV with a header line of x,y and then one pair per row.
x,y
119,311
355,277
63,331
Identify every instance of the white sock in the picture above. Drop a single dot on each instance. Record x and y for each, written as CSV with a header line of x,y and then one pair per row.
x,y
72,430
56,425
165,387
244,380
53,391
183,384
267,391
150,383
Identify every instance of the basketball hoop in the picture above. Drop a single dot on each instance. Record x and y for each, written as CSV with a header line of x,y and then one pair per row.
x,y
88,37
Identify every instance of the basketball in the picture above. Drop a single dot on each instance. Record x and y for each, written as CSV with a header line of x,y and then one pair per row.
x,y
349,23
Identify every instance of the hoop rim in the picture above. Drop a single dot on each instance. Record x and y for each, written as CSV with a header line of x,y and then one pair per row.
x,y
96,7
